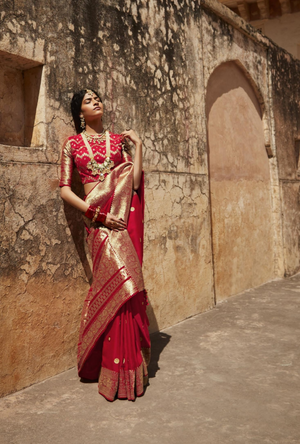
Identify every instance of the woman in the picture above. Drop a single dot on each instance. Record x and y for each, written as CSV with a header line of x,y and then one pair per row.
x,y
114,343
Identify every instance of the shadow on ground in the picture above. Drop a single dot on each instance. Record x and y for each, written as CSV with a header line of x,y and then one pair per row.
x,y
159,341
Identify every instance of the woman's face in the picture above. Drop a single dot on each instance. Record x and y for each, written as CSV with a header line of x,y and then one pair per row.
x,y
91,107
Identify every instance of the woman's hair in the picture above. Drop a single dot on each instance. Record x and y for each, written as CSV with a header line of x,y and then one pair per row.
x,y
76,106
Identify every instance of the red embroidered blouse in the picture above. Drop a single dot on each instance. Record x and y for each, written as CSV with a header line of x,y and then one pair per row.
x,y
76,153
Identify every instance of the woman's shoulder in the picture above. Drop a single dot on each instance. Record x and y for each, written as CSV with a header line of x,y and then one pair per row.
x,y
75,138
70,144
74,141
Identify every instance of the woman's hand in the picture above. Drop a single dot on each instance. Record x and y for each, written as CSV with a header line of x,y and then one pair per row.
x,y
113,223
132,135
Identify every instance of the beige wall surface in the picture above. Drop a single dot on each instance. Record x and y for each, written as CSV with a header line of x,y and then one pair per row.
x,y
286,106
154,80
284,31
240,188
253,60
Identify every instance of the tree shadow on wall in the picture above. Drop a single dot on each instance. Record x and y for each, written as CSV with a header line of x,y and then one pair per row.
x,y
159,340
77,227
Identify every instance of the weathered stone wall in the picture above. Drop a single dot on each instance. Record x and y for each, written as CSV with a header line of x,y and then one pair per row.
x,y
144,59
151,61
286,108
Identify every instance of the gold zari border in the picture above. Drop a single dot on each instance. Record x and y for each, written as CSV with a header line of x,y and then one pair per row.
x,y
125,384
117,273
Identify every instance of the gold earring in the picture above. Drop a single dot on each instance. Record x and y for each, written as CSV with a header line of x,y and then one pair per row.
x,y
82,123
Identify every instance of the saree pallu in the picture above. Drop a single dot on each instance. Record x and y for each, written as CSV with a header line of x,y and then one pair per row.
x,y
114,342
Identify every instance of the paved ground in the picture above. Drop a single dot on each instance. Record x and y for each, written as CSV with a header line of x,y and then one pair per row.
x,y
227,376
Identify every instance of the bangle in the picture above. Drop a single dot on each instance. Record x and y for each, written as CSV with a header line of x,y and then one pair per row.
x,y
96,214
90,212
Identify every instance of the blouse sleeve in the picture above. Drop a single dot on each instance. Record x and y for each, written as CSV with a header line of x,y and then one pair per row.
x,y
66,166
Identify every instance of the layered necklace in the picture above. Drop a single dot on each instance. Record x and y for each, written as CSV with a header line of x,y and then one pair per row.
x,y
94,137
98,168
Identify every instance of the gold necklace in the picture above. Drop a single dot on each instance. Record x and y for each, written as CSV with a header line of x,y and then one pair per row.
x,y
99,168
94,137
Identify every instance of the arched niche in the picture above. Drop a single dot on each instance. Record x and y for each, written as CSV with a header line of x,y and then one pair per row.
x,y
240,188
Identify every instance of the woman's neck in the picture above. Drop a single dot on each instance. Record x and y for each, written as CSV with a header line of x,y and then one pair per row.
x,y
94,127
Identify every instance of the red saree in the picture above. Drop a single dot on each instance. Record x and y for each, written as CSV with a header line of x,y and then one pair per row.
x,y
114,342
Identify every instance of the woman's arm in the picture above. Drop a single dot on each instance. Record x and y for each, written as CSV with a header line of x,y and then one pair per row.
x,y
138,157
71,198
110,221
66,193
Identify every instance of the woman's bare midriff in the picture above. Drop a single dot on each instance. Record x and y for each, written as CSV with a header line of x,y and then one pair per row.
x,y
89,186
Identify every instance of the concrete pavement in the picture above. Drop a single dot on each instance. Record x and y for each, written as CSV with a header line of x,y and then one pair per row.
x,y
231,375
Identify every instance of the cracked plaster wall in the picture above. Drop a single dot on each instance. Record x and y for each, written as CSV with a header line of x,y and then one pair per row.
x,y
151,61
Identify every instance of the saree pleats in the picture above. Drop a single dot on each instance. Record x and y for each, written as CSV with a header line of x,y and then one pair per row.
x,y
124,353
114,340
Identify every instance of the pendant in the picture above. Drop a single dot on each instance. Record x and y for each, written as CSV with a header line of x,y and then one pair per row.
x,y
100,169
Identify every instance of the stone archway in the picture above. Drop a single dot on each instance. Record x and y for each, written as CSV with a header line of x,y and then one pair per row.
x,y
240,189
